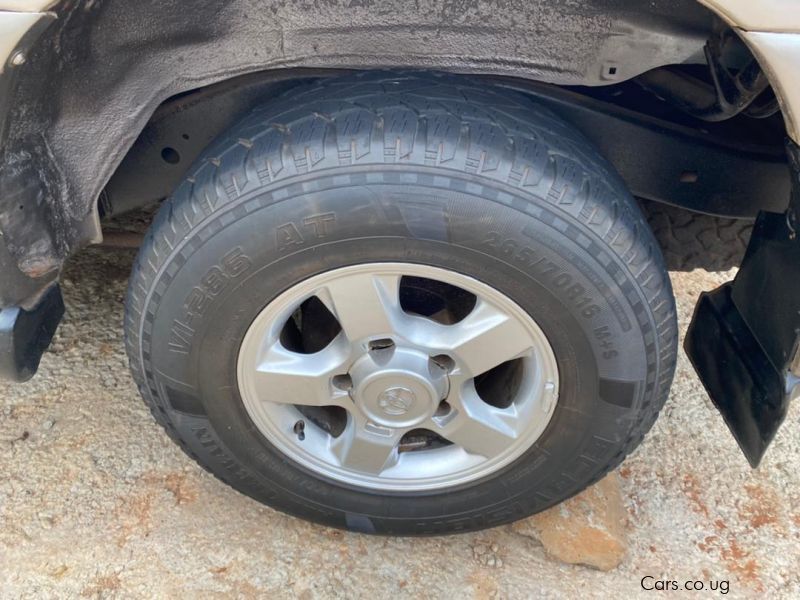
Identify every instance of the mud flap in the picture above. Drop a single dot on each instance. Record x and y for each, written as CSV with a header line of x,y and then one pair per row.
x,y
26,334
744,336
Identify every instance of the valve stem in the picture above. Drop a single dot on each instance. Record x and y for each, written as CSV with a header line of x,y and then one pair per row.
x,y
300,430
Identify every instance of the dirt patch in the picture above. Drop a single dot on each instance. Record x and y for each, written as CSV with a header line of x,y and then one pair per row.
x,y
101,587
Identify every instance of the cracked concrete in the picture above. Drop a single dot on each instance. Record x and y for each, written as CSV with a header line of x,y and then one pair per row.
x,y
96,501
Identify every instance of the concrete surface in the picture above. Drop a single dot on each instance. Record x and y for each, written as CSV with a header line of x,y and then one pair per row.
x,y
95,501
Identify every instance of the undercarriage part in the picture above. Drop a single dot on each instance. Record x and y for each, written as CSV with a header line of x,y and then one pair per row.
x,y
729,92
744,336
26,334
666,162
123,240
659,160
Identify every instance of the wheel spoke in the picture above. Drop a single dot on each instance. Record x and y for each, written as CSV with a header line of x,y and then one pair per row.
x,y
364,304
484,339
366,448
287,377
478,427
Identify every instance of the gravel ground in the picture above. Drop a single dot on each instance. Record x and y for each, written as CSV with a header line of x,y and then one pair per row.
x,y
95,500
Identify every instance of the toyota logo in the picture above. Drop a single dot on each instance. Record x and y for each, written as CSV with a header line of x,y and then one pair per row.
x,y
396,401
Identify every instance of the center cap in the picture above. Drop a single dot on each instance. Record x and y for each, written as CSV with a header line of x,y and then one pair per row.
x,y
396,401
397,387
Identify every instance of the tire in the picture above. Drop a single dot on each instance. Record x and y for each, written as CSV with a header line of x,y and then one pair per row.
x,y
420,169
691,240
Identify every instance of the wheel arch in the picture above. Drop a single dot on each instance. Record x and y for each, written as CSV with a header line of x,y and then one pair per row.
x,y
97,80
